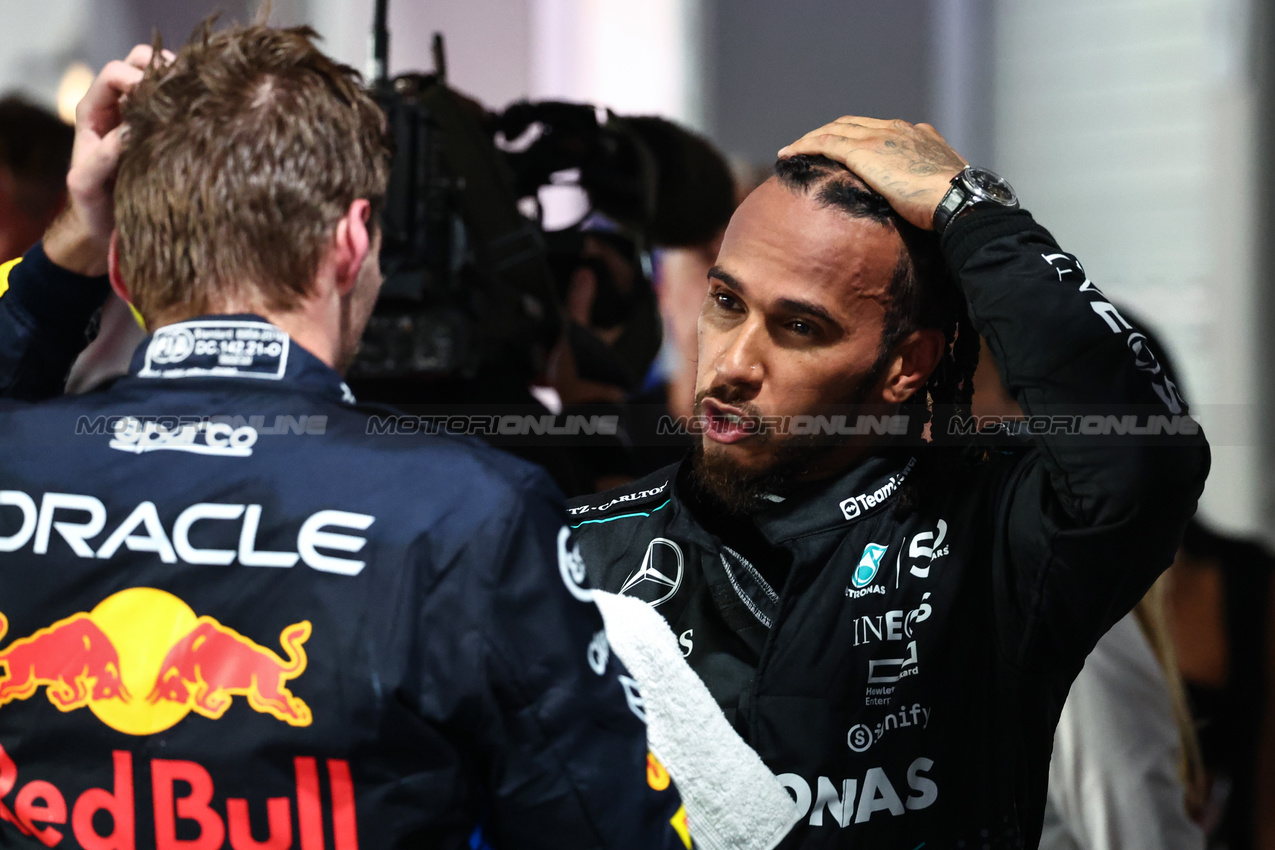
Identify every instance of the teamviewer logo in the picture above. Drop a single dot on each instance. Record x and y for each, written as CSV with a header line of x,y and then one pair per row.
x,y
869,563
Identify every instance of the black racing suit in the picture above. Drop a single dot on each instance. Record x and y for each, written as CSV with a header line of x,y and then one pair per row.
x,y
902,670
231,615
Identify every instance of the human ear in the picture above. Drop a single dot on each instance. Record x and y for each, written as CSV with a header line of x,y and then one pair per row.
x,y
351,243
915,358
117,280
113,269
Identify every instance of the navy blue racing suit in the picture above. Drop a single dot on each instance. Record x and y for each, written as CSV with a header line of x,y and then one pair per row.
x,y
233,614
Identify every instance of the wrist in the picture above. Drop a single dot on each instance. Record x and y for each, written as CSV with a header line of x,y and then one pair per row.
x,y
970,187
70,244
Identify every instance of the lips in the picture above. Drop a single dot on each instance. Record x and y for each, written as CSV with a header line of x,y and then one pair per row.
x,y
726,424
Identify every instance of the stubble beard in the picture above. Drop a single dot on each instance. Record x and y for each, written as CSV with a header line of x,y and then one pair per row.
x,y
739,490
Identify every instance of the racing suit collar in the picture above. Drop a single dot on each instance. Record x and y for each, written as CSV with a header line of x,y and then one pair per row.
x,y
238,347
867,488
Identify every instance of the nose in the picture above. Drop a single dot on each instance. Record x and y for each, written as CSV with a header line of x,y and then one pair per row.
x,y
740,362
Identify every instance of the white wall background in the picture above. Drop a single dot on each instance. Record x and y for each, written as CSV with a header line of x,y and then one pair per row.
x,y
1127,127
633,57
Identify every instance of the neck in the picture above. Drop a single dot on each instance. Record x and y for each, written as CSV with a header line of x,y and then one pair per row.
x,y
309,330
837,462
314,324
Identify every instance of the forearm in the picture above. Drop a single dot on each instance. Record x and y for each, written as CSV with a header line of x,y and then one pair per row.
x,y
73,246
44,312
1080,368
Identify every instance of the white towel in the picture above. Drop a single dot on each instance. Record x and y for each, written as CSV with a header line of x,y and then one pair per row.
x,y
733,801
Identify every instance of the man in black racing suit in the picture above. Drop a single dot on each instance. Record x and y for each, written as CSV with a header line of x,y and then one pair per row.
x,y
894,628
230,617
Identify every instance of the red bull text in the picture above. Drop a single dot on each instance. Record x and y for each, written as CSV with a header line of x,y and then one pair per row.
x,y
182,791
108,660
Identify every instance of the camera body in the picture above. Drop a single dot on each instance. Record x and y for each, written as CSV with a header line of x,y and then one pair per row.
x,y
474,288
466,276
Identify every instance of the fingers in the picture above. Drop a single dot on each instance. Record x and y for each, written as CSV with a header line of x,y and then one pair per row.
x,y
860,128
98,111
94,172
864,121
910,165
838,133
139,56
831,145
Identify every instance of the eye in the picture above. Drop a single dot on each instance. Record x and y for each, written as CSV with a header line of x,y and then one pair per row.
x,y
801,328
723,300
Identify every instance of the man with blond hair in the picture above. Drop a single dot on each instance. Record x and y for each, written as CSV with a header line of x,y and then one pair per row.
x,y
256,626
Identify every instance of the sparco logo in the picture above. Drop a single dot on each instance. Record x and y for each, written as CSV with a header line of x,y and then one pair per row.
x,y
204,438
660,575
856,505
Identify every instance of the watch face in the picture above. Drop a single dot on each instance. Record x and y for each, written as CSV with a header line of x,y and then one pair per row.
x,y
990,186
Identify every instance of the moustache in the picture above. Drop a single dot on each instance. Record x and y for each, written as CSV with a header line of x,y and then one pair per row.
x,y
750,417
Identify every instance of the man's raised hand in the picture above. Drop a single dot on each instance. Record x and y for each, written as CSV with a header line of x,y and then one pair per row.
x,y
910,165
80,237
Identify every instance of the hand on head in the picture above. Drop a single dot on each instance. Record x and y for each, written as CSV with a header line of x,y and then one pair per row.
x,y
911,166
80,237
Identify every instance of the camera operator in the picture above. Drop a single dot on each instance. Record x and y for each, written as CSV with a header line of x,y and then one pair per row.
x,y
246,630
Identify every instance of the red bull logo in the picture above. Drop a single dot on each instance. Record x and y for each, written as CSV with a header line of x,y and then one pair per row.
x,y
72,659
213,663
144,641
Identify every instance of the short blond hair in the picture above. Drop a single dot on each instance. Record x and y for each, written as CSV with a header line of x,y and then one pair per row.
x,y
241,157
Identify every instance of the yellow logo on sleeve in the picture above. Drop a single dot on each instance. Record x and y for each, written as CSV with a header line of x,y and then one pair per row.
x,y
4,274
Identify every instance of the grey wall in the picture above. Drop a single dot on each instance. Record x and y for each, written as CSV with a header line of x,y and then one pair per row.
x,y
176,21
39,40
1264,71
778,70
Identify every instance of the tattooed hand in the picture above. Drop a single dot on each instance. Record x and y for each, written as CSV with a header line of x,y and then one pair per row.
x,y
909,164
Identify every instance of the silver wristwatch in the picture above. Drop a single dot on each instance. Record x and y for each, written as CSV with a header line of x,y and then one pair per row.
x,y
973,186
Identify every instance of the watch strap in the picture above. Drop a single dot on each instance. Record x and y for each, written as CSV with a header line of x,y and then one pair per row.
x,y
956,199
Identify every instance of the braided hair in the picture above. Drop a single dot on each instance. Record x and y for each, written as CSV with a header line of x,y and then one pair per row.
x,y
922,295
